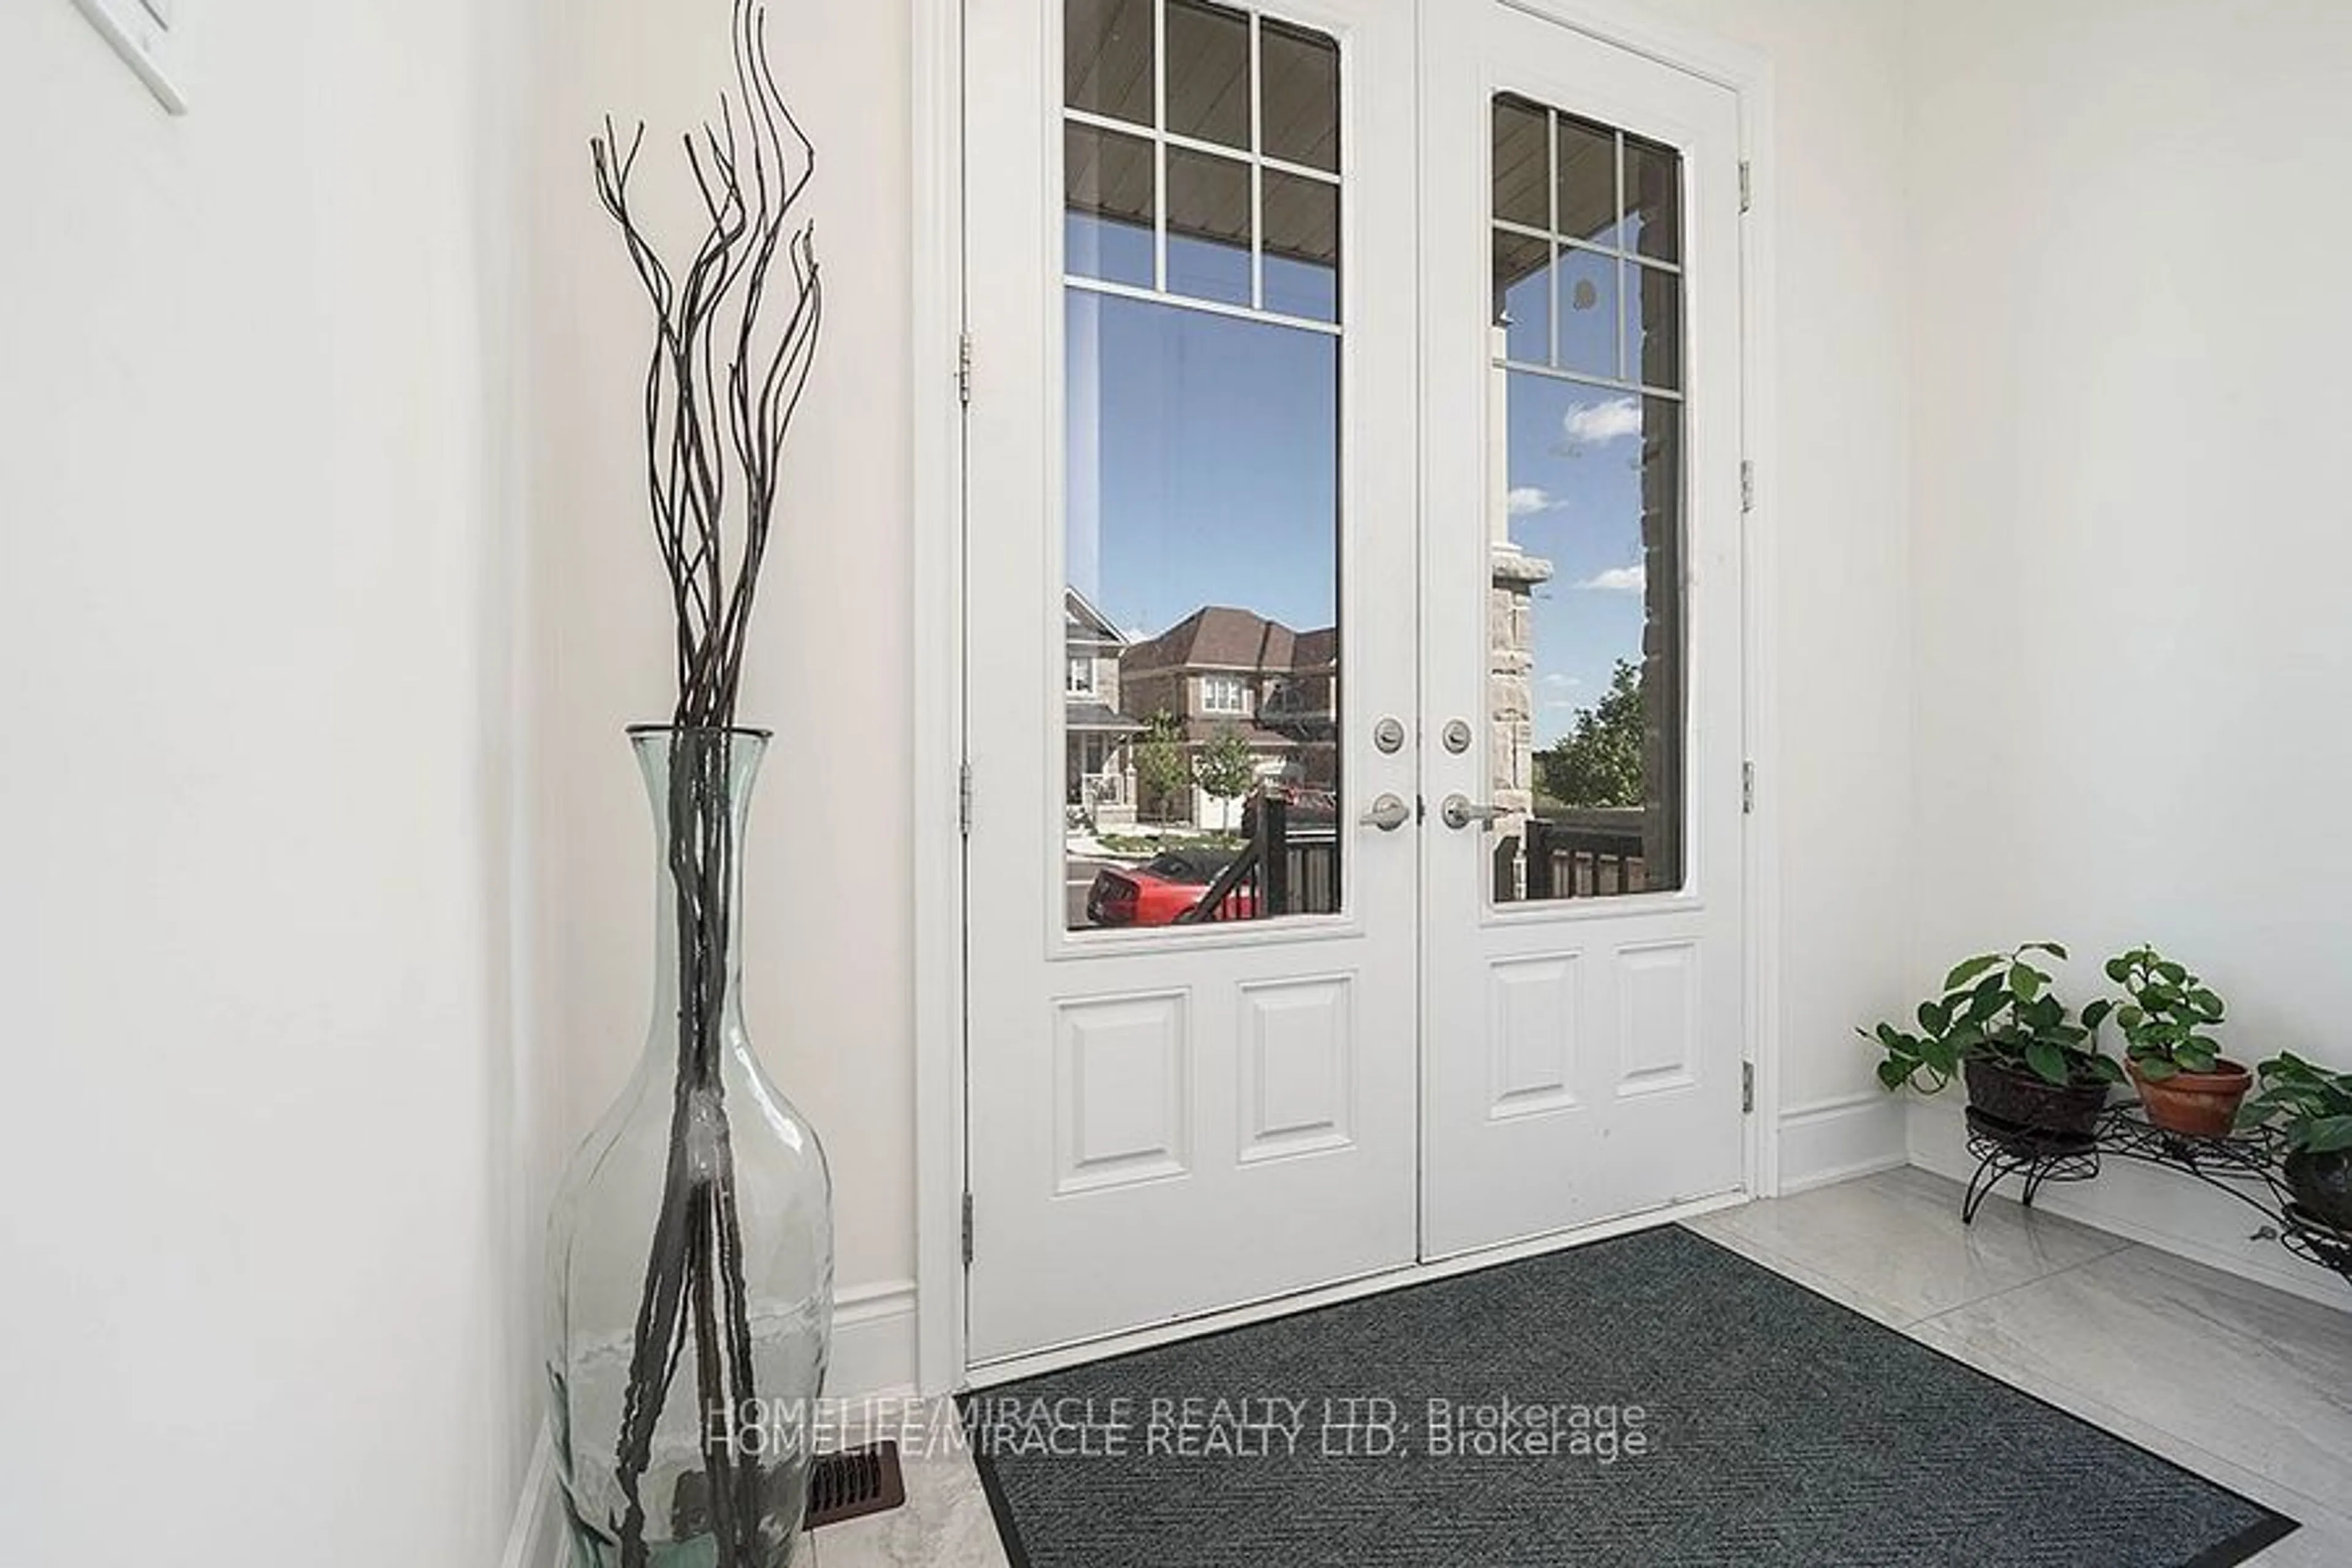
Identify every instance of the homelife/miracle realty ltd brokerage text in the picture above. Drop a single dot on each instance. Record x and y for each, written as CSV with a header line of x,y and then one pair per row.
x,y
1267,1427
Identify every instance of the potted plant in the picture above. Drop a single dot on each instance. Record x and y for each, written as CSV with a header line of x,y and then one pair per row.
x,y
1999,1024
2167,1017
2312,1108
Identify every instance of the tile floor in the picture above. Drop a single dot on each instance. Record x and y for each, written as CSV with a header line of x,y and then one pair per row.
x,y
2257,1392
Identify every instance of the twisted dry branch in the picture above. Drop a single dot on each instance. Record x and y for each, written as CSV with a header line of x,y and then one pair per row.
x,y
723,384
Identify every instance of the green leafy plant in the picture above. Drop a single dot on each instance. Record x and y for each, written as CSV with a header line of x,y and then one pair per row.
x,y
2166,1017
1999,1008
1225,768
1162,768
1598,762
2311,1106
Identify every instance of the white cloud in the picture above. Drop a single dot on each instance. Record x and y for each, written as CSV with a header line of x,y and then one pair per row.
x,y
1596,423
1526,500
1631,579
1557,678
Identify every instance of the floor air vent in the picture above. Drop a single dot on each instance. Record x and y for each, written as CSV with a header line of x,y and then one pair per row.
x,y
853,1484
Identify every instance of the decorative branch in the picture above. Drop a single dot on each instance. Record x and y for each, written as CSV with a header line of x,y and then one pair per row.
x,y
723,387
715,432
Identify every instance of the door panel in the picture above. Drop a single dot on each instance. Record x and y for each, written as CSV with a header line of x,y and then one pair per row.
x,y
1582,1040
1192,966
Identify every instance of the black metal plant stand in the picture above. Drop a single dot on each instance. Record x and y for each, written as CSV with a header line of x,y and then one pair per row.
x,y
2004,1148
2315,1240
2243,1164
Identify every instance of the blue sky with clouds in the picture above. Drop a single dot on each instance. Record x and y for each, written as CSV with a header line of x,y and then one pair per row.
x,y
1575,499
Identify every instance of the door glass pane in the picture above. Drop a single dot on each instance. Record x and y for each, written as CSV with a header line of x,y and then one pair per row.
x,y
1208,73
1653,327
1523,296
1199,608
1301,111
1110,211
1522,163
1586,718
1209,227
1106,58
1654,199
1587,181
1588,313
1302,247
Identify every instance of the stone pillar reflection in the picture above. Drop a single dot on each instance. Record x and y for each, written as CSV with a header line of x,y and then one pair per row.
x,y
1511,685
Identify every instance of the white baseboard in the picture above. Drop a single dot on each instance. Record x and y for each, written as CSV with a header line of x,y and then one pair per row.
x,y
1834,1140
875,1338
536,1538
2164,1209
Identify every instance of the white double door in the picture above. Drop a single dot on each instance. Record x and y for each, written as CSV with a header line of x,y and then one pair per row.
x,y
1354,431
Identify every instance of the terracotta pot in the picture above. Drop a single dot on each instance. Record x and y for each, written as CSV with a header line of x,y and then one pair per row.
x,y
2199,1104
2322,1184
2027,1099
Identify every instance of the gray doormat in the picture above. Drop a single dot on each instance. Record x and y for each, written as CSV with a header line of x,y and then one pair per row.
x,y
1654,1401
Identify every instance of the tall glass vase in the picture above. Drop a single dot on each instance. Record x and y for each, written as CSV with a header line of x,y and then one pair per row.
x,y
690,1249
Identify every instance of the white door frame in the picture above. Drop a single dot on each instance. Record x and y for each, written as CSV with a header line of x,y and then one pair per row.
x,y
936,888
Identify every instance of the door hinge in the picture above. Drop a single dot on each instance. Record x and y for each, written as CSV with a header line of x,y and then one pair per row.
x,y
1746,186
963,800
1747,789
1747,1108
967,1230
963,369
1747,486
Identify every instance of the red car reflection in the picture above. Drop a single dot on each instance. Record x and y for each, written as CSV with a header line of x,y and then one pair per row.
x,y
1165,886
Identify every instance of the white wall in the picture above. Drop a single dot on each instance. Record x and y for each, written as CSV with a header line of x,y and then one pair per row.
x,y
2129,471
271,1157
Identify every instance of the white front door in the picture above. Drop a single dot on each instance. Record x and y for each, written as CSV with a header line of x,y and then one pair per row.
x,y
1191,593
1581,632
1354,429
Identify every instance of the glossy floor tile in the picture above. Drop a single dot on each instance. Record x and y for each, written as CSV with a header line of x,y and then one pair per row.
x,y
2239,1383
1893,1247
2147,1343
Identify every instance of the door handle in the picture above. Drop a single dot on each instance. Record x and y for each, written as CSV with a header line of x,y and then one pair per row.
x,y
1460,812
1388,814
